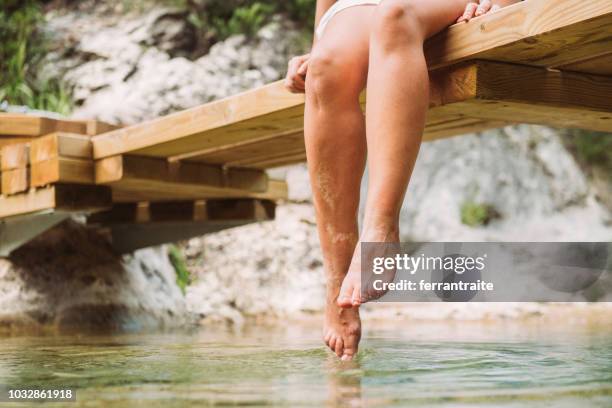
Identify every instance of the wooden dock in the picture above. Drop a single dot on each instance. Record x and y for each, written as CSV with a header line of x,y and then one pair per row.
x,y
539,61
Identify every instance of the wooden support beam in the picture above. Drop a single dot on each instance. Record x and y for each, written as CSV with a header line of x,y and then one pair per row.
x,y
513,93
215,210
148,177
58,197
136,225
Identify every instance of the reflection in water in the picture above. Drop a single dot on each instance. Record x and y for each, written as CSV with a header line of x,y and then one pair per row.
x,y
344,383
289,367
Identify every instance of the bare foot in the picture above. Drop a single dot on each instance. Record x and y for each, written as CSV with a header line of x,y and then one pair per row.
x,y
342,329
351,293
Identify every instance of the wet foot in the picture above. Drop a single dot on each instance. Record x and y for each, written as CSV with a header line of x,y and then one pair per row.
x,y
351,293
342,329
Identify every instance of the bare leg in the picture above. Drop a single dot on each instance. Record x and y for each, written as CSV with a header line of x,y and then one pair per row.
x,y
336,148
398,98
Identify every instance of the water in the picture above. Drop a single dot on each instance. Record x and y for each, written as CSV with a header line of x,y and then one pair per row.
x,y
456,365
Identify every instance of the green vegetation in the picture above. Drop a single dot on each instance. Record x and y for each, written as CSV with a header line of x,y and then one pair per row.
x,y
183,277
590,147
222,18
477,214
21,51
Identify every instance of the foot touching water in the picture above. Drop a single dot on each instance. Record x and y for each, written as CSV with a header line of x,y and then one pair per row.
x,y
342,329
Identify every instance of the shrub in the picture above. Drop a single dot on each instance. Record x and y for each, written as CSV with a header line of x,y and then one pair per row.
x,y
21,51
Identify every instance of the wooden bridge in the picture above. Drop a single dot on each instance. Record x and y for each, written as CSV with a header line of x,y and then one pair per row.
x,y
204,169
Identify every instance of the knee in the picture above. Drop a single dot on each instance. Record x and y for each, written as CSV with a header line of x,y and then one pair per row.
x,y
397,23
324,73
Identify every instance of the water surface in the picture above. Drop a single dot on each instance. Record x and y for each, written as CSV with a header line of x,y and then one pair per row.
x,y
459,366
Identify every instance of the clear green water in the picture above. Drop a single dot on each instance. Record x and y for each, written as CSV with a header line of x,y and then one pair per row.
x,y
461,367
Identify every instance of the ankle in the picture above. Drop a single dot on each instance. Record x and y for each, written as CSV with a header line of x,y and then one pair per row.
x,y
381,227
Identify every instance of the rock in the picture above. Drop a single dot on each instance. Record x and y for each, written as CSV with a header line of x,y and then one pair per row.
x,y
70,278
141,63
266,269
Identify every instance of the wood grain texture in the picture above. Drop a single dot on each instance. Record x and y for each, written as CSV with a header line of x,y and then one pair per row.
x,y
62,170
534,32
15,181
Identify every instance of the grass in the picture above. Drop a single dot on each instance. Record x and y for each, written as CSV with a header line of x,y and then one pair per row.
x,y
183,277
21,50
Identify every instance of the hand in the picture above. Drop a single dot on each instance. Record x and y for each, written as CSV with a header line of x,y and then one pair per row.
x,y
477,8
295,81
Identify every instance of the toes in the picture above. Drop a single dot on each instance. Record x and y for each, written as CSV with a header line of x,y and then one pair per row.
x,y
332,343
351,343
339,347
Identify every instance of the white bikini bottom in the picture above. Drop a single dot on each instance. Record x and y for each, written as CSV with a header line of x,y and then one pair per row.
x,y
338,7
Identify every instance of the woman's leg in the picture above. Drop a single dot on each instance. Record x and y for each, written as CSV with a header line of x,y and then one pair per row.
x,y
398,98
336,148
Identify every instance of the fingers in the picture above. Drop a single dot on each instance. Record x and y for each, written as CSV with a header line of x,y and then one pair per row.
x,y
469,12
295,81
495,8
484,7
303,68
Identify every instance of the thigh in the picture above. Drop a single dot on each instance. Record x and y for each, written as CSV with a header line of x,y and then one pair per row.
x,y
434,15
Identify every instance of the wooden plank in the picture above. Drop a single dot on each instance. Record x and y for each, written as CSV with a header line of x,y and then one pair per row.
x,y
535,32
14,156
29,125
58,197
62,170
15,181
24,125
60,144
257,112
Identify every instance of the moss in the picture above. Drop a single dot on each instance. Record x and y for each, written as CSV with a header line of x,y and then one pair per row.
x,y
183,277
477,214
